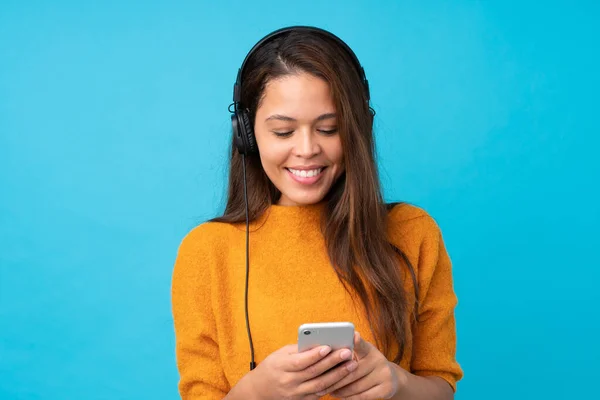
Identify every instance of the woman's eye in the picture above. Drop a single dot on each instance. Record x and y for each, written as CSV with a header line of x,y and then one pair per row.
x,y
283,134
328,131
289,133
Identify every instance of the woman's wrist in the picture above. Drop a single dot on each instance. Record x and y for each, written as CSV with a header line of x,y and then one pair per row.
x,y
244,389
416,387
402,379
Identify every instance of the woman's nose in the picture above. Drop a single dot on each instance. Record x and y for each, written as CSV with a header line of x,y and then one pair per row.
x,y
307,143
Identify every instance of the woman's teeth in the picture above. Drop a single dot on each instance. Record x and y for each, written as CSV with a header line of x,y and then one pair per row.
x,y
306,173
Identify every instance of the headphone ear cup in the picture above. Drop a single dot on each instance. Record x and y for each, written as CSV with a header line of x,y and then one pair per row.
x,y
238,132
249,133
243,134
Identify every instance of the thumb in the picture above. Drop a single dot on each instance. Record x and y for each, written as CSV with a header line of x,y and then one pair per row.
x,y
289,349
361,346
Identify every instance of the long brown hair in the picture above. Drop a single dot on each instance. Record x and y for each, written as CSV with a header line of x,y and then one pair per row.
x,y
355,220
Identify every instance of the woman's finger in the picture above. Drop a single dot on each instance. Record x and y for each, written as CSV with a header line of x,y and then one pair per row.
x,y
360,374
361,346
373,392
326,379
304,359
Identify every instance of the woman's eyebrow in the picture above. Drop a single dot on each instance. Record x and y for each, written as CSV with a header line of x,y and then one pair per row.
x,y
280,117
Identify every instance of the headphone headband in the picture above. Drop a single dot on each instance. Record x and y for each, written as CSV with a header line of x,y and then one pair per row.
x,y
238,82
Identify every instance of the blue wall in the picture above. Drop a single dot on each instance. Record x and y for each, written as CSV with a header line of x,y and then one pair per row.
x,y
113,140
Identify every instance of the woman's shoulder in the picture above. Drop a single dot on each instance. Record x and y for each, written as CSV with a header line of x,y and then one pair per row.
x,y
417,234
208,234
407,221
406,212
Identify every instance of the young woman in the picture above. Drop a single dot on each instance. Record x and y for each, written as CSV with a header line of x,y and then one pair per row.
x,y
324,247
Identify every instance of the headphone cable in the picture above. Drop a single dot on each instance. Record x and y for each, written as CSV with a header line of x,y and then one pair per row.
x,y
252,363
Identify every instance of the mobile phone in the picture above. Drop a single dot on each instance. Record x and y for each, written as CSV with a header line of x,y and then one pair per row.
x,y
336,335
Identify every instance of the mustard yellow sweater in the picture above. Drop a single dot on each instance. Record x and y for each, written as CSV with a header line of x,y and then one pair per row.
x,y
292,282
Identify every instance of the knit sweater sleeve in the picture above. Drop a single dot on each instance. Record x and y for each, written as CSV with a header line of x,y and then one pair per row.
x,y
196,344
434,352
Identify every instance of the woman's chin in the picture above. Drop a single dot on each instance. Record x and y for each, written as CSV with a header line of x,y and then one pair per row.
x,y
301,199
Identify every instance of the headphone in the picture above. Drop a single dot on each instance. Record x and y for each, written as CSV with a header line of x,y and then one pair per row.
x,y
243,131
245,141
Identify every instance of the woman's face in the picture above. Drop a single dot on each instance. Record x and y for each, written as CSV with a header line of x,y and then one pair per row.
x,y
296,134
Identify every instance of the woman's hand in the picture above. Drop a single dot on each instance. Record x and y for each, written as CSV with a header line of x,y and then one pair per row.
x,y
287,374
375,377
